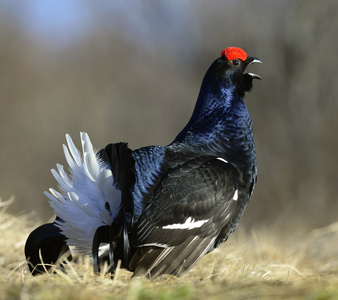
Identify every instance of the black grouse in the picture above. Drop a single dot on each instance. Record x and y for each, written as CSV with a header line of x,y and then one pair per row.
x,y
159,210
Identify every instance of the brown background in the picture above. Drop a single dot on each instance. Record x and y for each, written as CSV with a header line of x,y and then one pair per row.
x,y
132,73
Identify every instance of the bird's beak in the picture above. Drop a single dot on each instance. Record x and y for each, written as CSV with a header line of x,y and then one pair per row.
x,y
251,60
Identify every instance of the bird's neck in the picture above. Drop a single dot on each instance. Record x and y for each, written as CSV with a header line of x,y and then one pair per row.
x,y
220,125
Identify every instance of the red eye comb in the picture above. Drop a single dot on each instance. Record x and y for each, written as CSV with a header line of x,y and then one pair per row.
x,y
231,53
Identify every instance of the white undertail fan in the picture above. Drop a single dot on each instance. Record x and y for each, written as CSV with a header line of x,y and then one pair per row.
x,y
93,205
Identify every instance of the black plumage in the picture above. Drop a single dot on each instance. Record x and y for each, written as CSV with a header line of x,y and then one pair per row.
x,y
181,201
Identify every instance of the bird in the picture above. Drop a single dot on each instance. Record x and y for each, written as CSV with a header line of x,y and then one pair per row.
x,y
158,209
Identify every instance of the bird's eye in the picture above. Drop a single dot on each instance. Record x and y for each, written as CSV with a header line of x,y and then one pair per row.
x,y
235,62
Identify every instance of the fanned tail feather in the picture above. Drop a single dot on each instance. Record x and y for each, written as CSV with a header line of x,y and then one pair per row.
x,y
87,198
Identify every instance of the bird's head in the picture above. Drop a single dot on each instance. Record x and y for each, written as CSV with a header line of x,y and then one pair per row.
x,y
231,68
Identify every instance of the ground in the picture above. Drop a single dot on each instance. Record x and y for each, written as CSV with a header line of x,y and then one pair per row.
x,y
260,263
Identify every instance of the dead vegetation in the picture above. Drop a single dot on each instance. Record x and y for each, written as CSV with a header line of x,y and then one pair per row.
x,y
260,263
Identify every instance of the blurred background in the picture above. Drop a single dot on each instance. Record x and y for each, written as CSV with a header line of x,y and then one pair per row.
x,y
131,71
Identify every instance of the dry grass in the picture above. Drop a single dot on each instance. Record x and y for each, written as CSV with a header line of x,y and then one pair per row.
x,y
260,264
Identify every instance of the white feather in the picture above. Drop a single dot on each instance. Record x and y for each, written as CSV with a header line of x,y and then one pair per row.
x,y
188,224
87,197
73,150
58,178
69,159
63,175
57,195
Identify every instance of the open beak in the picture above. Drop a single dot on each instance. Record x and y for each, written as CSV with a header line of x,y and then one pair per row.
x,y
252,60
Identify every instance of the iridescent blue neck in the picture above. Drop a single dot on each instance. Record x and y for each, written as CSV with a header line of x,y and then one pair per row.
x,y
220,125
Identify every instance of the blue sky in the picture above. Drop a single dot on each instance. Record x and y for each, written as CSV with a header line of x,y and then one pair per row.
x,y
65,20
60,18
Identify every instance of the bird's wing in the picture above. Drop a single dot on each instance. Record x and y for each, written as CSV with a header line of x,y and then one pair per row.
x,y
183,215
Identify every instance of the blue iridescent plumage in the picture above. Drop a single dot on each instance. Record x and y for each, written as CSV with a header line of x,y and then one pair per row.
x,y
159,210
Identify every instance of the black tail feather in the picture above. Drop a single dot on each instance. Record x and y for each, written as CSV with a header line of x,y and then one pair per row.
x,y
48,241
101,236
120,158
